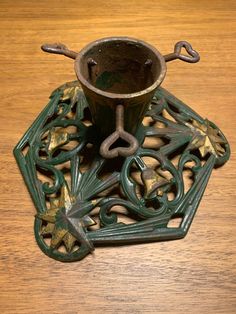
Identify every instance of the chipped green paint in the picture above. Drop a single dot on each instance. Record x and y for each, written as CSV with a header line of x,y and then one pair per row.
x,y
66,198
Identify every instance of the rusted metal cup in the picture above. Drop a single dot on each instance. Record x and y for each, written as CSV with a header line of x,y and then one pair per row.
x,y
119,76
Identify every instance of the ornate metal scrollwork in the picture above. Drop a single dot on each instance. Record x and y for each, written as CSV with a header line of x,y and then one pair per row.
x,y
83,199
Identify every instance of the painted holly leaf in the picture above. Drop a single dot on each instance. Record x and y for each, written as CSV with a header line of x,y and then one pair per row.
x,y
206,139
67,220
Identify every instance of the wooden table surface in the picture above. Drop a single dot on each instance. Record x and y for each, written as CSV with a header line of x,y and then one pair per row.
x,y
193,275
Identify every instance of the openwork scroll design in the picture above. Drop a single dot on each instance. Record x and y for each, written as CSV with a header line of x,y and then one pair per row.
x,y
83,200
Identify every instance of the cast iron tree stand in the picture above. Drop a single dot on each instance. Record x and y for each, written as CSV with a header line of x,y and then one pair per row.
x,y
93,176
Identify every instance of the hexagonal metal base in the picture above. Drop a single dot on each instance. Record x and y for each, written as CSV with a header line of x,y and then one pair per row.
x,y
83,200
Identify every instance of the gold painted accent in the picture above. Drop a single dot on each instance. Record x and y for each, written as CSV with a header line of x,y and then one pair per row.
x,y
57,236
69,241
48,229
49,215
57,138
153,181
206,139
65,199
60,235
54,202
96,201
88,221
71,93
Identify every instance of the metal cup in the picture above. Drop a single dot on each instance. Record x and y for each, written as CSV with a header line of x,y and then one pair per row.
x,y
119,76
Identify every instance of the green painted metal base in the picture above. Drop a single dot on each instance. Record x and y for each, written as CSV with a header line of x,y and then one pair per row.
x,y
83,200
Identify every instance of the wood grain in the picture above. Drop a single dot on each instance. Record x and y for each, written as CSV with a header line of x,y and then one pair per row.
x,y
194,275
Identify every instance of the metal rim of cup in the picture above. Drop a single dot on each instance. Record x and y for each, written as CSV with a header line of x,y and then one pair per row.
x,y
79,60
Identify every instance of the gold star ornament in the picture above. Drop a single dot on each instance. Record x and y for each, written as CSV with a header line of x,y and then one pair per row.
x,y
206,139
66,221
